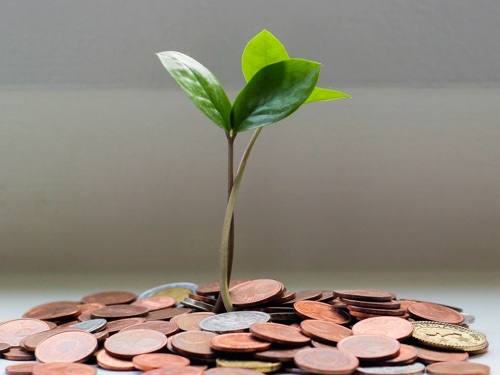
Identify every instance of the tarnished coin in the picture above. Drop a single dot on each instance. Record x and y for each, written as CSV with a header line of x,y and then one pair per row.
x,y
428,356
370,347
238,343
13,331
156,302
435,312
255,292
213,288
324,331
457,368
146,362
326,361
178,291
108,362
191,322
110,298
255,367
21,368
63,369
120,312
396,328
365,294
194,343
413,369
320,311
126,344
167,328
118,325
196,305
235,321
448,336
279,334
92,325
72,346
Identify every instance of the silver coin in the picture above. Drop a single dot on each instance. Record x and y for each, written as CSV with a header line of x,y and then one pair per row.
x,y
157,289
92,325
236,321
468,318
413,369
198,305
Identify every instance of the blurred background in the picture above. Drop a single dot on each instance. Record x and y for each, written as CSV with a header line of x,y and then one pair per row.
x,y
106,166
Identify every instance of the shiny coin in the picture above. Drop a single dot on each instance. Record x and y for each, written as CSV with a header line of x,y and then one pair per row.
x,y
120,312
365,294
370,347
178,291
396,328
197,305
167,328
191,322
320,311
108,362
73,346
435,312
428,356
126,344
13,331
448,336
279,334
238,343
92,325
156,303
457,368
468,318
235,321
324,331
110,298
152,361
413,369
21,368
194,343
249,366
326,361
63,369
255,292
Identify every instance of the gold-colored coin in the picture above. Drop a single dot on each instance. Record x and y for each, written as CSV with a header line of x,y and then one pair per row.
x,y
448,336
261,366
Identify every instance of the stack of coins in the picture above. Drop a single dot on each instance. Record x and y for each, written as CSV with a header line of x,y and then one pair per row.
x,y
172,329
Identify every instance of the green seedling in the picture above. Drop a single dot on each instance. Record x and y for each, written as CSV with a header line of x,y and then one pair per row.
x,y
277,86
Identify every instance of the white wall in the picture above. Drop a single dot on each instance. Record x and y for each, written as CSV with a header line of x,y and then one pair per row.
x,y
105,164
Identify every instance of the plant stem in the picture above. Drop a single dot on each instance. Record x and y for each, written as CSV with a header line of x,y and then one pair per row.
x,y
225,252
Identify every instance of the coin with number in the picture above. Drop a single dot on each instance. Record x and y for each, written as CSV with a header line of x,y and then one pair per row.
x,y
126,344
326,361
238,343
72,346
194,343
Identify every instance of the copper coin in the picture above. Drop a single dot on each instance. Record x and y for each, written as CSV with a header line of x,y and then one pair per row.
x,y
118,325
72,346
324,331
371,310
213,288
365,294
319,344
372,304
4,347
60,368
407,354
87,315
166,314
146,362
320,311
255,292
196,304
156,302
18,354
167,328
370,347
286,297
126,344
429,356
231,371
396,328
206,299
281,354
87,307
435,312
457,368
194,343
238,343
279,334
110,298
13,331
108,362
311,295
326,361
120,312
188,370
53,311
30,342
191,322
362,316
21,368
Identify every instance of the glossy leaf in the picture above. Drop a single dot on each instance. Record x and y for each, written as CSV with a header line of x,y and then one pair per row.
x,y
202,87
275,92
320,95
262,50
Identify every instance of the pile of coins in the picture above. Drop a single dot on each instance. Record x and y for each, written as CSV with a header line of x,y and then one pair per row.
x,y
172,329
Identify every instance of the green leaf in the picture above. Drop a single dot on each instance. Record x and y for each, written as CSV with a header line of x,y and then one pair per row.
x,y
275,92
320,95
201,85
264,49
